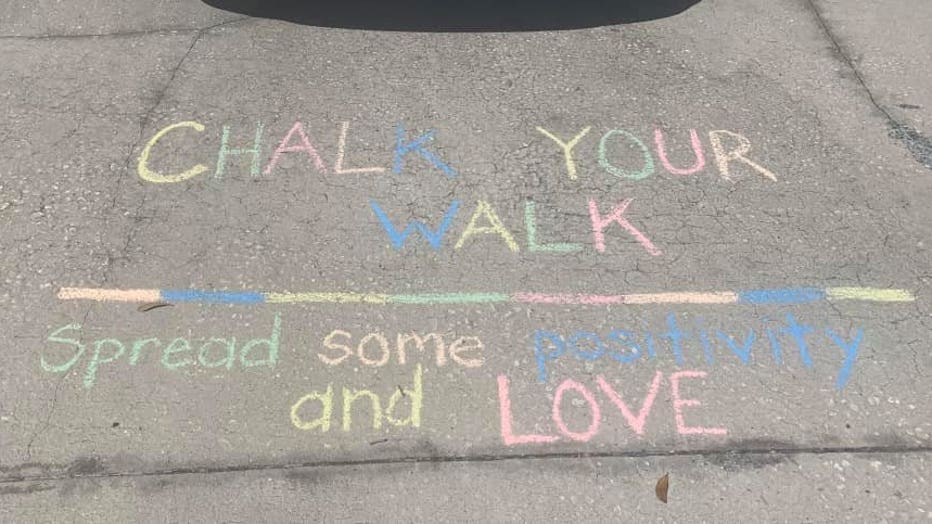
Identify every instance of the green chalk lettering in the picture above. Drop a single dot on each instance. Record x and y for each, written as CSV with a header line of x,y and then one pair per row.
x,y
90,376
137,349
228,359
71,342
646,171
225,151
179,345
271,343
530,223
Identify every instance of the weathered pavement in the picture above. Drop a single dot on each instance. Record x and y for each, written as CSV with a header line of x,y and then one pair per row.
x,y
583,357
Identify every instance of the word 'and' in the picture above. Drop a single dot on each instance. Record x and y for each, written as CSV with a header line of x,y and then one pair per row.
x,y
68,349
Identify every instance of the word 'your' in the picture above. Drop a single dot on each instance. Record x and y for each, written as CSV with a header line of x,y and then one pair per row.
x,y
728,148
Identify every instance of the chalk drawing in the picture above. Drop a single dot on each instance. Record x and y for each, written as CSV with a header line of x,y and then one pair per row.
x,y
851,353
506,419
427,299
595,411
178,353
679,403
418,145
303,145
618,216
151,176
567,148
326,413
570,299
111,295
530,224
637,423
435,237
744,350
414,395
495,227
866,293
341,156
619,347
336,298
728,148
646,170
778,296
724,158
225,151
697,151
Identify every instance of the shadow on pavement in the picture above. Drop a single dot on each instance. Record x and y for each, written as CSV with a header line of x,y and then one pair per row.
x,y
457,15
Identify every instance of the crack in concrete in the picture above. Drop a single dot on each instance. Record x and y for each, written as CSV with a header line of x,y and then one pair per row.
x,y
144,121
480,458
118,34
131,233
44,426
918,145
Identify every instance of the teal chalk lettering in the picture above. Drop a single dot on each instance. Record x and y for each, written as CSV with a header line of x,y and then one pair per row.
x,y
226,151
137,349
179,345
271,343
90,376
227,361
62,368
647,169
530,223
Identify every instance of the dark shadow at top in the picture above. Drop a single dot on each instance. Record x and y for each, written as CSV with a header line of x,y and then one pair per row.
x,y
457,15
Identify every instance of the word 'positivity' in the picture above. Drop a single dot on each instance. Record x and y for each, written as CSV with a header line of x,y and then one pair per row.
x,y
626,346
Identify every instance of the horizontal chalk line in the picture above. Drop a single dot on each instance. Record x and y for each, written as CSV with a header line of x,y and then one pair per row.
x,y
774,296
477,458
110,295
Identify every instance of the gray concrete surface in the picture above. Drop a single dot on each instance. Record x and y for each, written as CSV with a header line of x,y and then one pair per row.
x,y
832,97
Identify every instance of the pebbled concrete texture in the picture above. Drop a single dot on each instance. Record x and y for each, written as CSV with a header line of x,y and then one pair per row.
x,y
824,92
833,487
886,48
56,19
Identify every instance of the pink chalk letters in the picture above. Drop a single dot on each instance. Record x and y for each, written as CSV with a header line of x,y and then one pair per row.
x,y
637,422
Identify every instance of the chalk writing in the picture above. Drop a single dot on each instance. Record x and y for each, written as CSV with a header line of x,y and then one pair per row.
x,y
626,346
729,148
373,349
779,296
350,397
486,214
177,352
578,409
636,423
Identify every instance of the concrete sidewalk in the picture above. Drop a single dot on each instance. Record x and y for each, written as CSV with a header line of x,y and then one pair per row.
x,y
312,266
